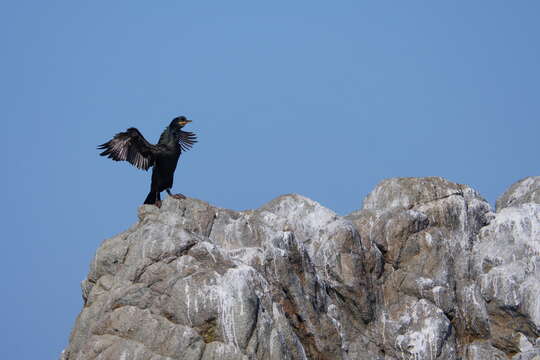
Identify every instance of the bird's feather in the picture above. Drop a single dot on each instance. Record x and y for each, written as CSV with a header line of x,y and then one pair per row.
x,y
186,140
130,146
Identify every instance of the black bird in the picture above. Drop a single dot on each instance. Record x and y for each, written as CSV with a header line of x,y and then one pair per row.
x,y
133,147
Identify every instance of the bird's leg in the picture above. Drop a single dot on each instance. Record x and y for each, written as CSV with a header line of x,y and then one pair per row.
x,y
158,200
176,196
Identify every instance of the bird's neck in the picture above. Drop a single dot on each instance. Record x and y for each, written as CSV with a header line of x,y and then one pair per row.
x,y
169,137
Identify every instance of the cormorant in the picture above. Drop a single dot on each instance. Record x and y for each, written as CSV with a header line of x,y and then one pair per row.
x,y
133,147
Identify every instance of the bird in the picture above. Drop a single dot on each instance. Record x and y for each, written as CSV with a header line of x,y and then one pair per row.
x,y
131,146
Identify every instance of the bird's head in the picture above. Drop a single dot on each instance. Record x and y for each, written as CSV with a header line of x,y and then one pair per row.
x,y
179,122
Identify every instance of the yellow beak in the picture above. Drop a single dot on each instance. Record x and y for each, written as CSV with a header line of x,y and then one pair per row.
x,y
184,122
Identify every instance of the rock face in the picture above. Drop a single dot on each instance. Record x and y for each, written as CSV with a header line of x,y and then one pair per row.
x,y
425,270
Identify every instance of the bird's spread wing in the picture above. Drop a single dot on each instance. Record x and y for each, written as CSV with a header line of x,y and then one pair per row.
x,y
187,139
130,146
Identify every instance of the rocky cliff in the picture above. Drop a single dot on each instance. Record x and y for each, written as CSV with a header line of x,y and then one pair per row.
x,y
425,270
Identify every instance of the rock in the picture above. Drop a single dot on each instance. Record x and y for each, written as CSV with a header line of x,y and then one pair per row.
x,y
507,264
425,270
481,350
522,192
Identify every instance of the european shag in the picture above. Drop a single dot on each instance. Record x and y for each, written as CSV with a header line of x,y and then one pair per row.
x,y
131,146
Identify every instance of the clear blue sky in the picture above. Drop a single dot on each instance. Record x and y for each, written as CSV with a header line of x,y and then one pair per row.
x,y
319,98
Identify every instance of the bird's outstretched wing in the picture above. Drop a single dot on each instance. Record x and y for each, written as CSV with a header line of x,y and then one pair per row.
x,y
187,139
130,146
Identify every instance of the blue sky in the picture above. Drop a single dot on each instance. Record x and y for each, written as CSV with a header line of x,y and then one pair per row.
x,y
324,99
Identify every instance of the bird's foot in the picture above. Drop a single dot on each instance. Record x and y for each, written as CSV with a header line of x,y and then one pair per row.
x,y
178,196
158,203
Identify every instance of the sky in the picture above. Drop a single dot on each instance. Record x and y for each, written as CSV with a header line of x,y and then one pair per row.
x,y
320,98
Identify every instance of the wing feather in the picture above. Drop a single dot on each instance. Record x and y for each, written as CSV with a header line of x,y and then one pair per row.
x,y
187,139
130,146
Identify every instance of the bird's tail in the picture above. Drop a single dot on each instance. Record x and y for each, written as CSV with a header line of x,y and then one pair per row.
x,y
151,198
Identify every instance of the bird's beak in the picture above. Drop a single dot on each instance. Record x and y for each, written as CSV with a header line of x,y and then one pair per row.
x,y
184,122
